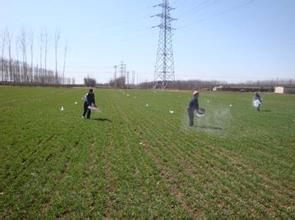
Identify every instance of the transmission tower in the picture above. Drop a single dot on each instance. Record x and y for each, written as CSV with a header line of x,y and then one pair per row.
x,y
115,75
164,68
122,72
127,78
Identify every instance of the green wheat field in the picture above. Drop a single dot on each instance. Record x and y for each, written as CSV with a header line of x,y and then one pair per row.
x,y
138,159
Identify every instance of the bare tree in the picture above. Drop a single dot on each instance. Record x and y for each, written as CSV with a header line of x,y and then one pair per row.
x,y
91,82
17,70
18,64
32,56
45,54
23,44
64,66
9,41
41,58
3,36
56,41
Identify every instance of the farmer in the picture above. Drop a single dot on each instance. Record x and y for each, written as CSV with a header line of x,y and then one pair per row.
x,y
193,106
89,100
257,101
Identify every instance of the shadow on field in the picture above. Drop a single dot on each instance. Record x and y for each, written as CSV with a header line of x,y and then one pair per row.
x,y
265,110
102,119
210,127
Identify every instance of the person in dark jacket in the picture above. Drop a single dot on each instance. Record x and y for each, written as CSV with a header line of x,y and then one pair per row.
x,y
257,101
89,100
192,107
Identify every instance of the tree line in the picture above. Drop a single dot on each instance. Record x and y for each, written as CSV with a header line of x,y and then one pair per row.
x,y
203,84
25,58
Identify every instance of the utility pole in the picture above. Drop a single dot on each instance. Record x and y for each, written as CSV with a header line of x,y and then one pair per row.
x,y
127,76
115,72
115,76
133,78
125,71
164,68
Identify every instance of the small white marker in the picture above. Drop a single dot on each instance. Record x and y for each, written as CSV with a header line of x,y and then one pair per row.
x,y
62,109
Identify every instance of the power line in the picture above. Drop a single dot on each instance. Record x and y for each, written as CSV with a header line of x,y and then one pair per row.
x,y
203,8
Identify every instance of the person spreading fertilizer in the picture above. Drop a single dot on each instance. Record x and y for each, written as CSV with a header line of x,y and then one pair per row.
x,y
89,102
257,101
194,106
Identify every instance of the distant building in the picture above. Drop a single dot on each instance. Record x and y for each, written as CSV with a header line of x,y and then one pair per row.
x,y
243,88
279,90
216,88
284,90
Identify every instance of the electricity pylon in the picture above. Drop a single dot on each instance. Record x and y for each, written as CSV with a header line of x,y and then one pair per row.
x,y
164,68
